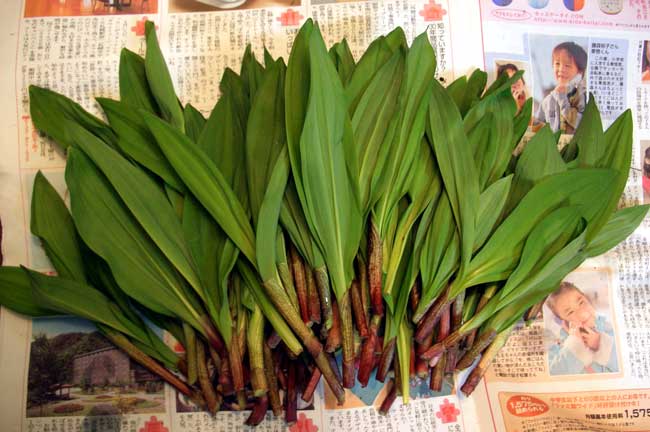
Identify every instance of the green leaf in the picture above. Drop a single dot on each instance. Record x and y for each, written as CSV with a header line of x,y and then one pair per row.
x,y
265,136
146,202
296,95
135,140
619,226
329,199
109,229
490,207
266,230
539,159
618,156
134,88
16,293
233,85
344,61
52,223
222,139
75,298
206,183
392,174
51,112
456,167
374,110
545,240
376,55
160,81
475,86
588,142
251,72
499,256
194,122
457,90
521,121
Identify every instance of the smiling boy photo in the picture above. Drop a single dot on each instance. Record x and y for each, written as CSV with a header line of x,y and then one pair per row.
x,y
560,91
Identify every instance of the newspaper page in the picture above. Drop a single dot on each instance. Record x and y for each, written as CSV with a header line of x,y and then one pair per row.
x,y
582,364
61,374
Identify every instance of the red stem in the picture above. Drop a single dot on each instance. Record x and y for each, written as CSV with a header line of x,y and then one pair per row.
x,y
291,405
308,393
360,317
367,358
375,259
386,360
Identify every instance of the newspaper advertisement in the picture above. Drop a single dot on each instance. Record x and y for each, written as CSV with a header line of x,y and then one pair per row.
x,y
582,363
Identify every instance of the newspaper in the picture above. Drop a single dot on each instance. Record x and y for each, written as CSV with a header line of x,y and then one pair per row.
x,y
547,378
60,375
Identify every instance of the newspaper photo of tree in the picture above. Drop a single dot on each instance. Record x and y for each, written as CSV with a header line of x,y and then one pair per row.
x,y
75,371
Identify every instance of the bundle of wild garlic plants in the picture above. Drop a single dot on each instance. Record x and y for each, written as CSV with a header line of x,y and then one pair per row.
x,y
325,204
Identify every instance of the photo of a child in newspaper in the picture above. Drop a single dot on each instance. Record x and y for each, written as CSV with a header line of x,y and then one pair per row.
x,y
560,85
578,328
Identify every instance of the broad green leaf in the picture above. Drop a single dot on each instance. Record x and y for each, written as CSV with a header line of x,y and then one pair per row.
x,y
51,112
490,207
378,53
546,239
75,298
619,226
521,121
16,293
457,168
425,187
588,142
343,60
266,136
194,122
268,58
251,72
392,174
499,256
618,156
490,141
135,140
294,222
206,183
233,85
329,201
146,202
266,230
375,109
560,264
539,159
499,92
134,88
296,95
109,229
160,81
52,224
223,140
475,86
457,90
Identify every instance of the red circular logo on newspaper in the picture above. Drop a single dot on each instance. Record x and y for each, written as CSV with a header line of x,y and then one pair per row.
x,y
526,406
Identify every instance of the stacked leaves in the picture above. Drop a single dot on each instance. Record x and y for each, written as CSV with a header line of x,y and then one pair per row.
x,y
323,205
